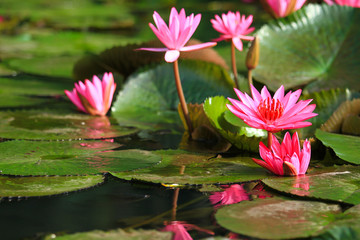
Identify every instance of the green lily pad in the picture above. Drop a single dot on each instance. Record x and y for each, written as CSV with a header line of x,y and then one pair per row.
x,y
274,218
115,235
50,66
42,186
70,158
232,128
197,169
346,147
48,125
320,184
330,58
149,99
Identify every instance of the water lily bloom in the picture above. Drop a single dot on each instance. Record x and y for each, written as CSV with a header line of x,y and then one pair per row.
x,y
272,113
233,27
350,3
93,97
179,32
286,158
282,8
232,194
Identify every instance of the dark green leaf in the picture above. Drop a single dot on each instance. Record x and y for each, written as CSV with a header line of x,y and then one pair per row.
x,y
69,158
346,147
41,186
330,56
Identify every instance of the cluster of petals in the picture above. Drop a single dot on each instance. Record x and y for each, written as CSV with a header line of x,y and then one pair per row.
x,y
179,32
282,8
93,97
232,194
272,113
180,230
350,3
233,27
286,158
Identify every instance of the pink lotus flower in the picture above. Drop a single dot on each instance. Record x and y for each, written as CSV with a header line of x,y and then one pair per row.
x,y
93,97
180,230
232,194
272,113
282,8
233,27
350,3
174,37
289,153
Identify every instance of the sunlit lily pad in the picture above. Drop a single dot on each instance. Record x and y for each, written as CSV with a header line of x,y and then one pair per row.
x,y
232,128
181,167
41,186
115,235
47,125
339,183
330,57
346,147
274,218
149,99
70,158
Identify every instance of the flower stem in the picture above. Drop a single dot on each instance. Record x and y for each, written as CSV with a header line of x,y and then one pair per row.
x,y
233,62
269,139
250,79
174,203
182,97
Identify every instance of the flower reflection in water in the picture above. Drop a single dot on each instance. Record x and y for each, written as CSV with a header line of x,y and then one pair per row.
x,y
301,186
180,229
232,194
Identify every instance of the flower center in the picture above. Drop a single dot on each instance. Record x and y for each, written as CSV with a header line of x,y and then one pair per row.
x,y
270,110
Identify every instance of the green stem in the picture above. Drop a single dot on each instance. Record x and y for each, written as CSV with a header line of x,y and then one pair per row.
x,y
182,97
250,79
233,62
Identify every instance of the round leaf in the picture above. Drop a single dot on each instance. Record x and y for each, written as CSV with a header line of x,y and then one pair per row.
x,y
43,125
330,56
42,186
180,168
69,158
320,184
273,218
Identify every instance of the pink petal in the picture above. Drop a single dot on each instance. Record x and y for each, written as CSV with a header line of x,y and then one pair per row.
x,y
238,44
198,46
154,49
75,99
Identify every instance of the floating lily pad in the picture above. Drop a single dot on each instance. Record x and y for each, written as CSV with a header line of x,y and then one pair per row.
x,y
49,66
330,58
346,147
69,158
277,219
115,235
232,128
42,186
47,125
149,99
340,183
181,167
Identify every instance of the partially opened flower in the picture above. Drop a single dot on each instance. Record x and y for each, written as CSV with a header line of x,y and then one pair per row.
x,y
286,158
180,230
272,113
350,3
232,194
174,37
233,27
93,97
282,8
